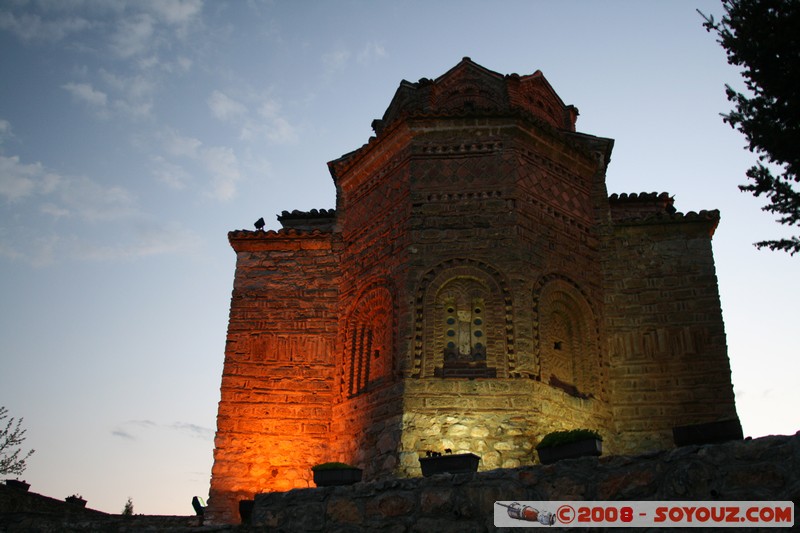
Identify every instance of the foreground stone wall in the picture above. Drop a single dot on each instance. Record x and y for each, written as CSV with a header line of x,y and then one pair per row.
x,y
763,469
25,512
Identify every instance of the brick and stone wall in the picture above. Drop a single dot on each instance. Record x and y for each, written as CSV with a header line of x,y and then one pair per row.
x,y
474,289
666,344
274,419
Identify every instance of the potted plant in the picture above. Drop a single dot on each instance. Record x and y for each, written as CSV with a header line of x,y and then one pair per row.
x,y
76,500
330,474
458,463
708,432
569,445
18,485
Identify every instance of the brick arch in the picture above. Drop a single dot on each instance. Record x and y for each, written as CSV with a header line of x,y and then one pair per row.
x,y
368,358
567,337
463,290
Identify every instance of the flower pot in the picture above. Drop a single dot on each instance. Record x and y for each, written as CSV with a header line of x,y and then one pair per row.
x,y
570,450
452,464
337,476
708,433
17,485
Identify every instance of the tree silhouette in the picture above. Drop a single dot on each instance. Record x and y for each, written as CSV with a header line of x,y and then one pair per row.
x,y
763,37
12,461
128,509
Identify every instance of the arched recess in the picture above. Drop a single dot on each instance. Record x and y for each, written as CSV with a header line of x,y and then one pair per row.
x,y
368,342
464,323
567,337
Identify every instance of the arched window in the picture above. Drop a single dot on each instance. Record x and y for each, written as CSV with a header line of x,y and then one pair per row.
x,y
567,334
464,323
368,343
461,304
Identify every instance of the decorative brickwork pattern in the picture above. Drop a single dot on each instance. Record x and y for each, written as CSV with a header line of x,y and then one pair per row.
x,y
567,337
474,289
368,343
465,325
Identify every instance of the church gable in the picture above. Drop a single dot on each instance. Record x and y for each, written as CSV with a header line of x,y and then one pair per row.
x,y
469,88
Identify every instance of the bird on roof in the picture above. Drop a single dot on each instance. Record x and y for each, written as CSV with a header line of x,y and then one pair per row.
x,y
259,224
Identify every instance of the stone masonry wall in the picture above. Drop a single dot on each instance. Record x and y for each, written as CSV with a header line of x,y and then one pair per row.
x,y
277,385
764,469
669,363
499,420
367,430
372,211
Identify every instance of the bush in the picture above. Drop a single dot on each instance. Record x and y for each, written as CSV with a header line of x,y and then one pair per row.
x,y
556,438
128,510
331,466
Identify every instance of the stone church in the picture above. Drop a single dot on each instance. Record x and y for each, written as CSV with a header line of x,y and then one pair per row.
x,y
475,288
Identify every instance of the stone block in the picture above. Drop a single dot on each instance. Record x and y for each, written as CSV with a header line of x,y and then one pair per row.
x,y
343,511
390,504
436,501
458,430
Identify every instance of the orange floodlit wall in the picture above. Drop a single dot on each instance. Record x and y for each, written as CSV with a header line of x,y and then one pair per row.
x,y
274,416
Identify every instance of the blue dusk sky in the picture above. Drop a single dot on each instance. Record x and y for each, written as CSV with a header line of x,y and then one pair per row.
x,y
135,134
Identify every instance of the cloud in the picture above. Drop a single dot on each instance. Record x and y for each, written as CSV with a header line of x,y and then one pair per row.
x,y
30,27
277,128
226,108
58,217
147,25
149,35
135,93
134,35
143,423
371,52
123,434
219,162
5,131
18,180
130,426
148,240
41,248
36,250
176,12
194,430
63,196
93,201
173,176
127,430
224,167
86,93
280,131
267,123
180,146
335,59
54,210
128,27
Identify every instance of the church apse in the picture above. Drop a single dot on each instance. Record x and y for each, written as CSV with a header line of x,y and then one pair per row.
x,y
475,288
